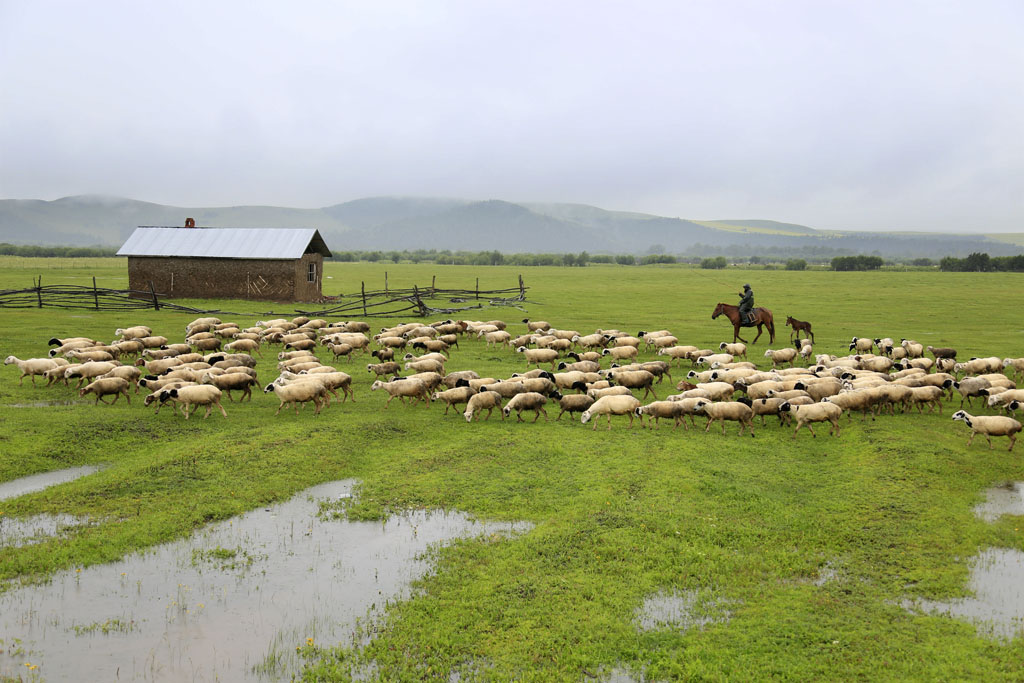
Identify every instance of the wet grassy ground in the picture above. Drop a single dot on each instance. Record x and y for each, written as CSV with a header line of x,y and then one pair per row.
x,y
620,515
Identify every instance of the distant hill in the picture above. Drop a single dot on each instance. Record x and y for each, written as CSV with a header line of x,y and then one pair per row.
x,y
437,223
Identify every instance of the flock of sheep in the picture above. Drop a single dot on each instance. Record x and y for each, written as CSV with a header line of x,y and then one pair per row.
x,y
217,357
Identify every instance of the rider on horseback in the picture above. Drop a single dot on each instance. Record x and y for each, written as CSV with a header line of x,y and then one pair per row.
x,y
746,305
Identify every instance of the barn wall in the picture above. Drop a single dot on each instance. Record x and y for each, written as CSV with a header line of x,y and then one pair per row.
x,y
272,280
305,290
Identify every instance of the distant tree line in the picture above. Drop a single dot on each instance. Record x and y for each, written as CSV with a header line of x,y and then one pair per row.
x,y
61,252
857,262
496,258
980,262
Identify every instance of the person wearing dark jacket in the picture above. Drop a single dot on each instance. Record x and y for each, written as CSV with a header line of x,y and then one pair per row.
x,y
746,304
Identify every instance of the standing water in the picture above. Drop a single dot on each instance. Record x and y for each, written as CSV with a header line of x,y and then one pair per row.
x,y
233,602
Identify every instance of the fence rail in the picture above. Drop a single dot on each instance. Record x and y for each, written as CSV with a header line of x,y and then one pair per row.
x,y
387,302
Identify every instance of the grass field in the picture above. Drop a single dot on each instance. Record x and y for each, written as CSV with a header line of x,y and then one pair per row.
x,y
885,509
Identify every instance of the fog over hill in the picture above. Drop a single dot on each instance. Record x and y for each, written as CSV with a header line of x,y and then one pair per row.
x,y
436,223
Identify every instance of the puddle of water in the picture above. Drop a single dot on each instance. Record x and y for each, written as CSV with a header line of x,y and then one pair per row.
x,y
825,574
38,482
620,675
997,608
687,610
16,532
233,602
1007,499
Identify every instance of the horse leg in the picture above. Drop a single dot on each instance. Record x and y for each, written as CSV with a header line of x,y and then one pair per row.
x,y
736,334
758,334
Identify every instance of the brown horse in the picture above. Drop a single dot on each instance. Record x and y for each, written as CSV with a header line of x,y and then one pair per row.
x,y
761,317
798,326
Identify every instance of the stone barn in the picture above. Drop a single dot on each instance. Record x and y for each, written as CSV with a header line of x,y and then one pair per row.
x,y
235,263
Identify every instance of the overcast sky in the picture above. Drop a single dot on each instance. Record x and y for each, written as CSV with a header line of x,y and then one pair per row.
x,y
853,114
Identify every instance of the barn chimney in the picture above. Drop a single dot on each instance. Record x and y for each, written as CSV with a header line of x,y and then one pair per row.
x,y
190,222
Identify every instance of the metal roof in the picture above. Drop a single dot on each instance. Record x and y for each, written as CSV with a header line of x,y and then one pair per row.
x,y
251,243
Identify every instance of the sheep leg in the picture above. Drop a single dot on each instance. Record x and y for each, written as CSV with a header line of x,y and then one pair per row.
x,y
557,419
811,430
223,412
971,439
708,425
989,439
275,412
835,427
1013,440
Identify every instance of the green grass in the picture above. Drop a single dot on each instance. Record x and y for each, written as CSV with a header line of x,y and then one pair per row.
x,y
619,515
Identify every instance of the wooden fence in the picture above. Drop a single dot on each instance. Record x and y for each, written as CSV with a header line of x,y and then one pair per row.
x,y
387,302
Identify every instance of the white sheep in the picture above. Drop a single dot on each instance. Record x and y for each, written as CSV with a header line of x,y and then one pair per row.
x,y
1015,364
731,410
192,397
298,392
611,405
737,349
30,367
454,396
107,386
483,400
538,356
530,400
989,425
402,389
815,412
784,355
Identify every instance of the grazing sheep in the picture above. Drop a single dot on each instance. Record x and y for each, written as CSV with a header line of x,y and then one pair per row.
x,y
635,379
384,369
452,378
129,373
930,395
536,325
30,367
505,388
608,391
298,392
454,396
677,352
426,365
731,410
573,403
850,401
913,349
483,400
737,349
498,337
136,332
231,381
538,356
107,386
969,387
189,398
87,371
404,388
244,346
815,412
784,355
941,352
1015,364
530,400
978,366
990,425
619,353
611,405
770,406
670,410
862,344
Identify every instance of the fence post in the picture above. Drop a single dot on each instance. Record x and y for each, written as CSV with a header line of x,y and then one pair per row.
x,y
522,290
433,285
362,286
39,291
156,304
419,302
478,289
95,294
386,283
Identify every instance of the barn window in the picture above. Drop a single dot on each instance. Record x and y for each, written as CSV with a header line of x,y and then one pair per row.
x,y
311,273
